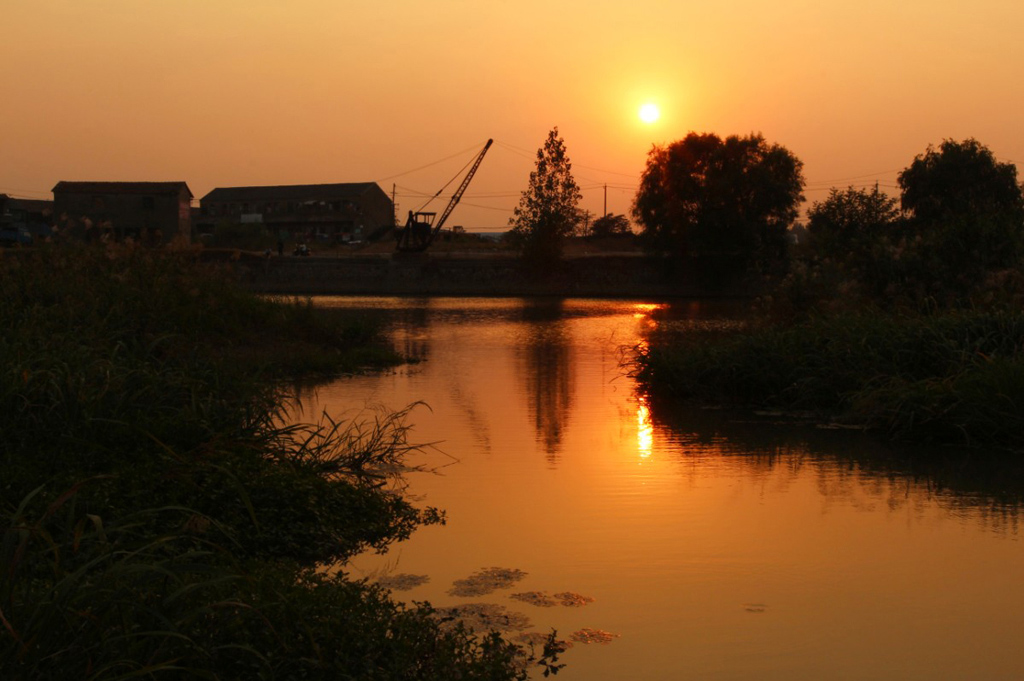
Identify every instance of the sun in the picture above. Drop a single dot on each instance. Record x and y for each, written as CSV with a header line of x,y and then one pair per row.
x,y
649,113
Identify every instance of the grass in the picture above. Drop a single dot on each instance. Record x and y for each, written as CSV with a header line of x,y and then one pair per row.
x,y
947,377
88,599
158,520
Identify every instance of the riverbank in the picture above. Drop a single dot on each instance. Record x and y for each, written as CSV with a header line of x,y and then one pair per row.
x,y
953,377
493,274
159,515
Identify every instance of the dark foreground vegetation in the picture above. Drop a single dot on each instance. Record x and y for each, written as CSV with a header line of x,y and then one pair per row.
x,y
160,519
899,315
953,377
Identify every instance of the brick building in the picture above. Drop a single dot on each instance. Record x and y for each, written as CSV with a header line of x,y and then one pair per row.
x,y
337,212
151,212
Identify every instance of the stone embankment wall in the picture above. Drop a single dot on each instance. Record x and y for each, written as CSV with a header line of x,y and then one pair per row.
x,y
425,274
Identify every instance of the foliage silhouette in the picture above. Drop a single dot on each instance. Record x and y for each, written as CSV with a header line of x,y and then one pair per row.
x,y
548,210
958,240
960,179
966,208
849,221
709,199
610,225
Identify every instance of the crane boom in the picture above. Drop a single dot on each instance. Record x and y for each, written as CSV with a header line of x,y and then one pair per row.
x,y
420,230
462,188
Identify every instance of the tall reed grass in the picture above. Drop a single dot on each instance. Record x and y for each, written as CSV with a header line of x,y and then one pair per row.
x,y
159,519
83,597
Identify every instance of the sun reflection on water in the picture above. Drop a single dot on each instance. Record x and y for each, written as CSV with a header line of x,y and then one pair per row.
x,y
643,310
556,462
644,430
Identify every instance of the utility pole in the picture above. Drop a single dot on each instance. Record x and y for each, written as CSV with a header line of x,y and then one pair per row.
x,y
394,206
605,200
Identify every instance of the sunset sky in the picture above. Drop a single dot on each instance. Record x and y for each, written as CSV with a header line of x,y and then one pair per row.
x,y
254,92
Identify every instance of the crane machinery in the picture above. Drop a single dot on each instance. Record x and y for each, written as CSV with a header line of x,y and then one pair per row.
x,y
420,228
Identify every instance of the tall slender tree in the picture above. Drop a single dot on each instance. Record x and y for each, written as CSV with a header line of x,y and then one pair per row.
x,y
548,211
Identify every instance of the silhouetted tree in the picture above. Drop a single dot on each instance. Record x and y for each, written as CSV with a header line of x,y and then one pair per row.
x,y
708,198
958,179
959,239
850,221
853,232
966,207
610,225
548,210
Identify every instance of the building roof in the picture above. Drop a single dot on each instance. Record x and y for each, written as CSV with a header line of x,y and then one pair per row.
x,y
37,205
66,187
293,192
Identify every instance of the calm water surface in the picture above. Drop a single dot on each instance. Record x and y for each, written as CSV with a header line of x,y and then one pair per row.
x,y
714,546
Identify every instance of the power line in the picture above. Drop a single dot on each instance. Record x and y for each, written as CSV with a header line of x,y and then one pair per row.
x,y
813,186
609,172
428,165
856,177
495,208
519,151
533,155
890,185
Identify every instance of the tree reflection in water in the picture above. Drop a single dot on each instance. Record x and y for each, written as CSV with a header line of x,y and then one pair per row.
x,y
850,467
548,371
412,324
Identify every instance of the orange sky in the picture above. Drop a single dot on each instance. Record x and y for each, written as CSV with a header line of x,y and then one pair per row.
x,y
248,92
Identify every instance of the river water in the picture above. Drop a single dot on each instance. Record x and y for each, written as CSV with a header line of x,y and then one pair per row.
x,y
714,545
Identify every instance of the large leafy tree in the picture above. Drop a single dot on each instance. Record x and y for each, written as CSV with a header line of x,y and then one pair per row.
x,y
707,197
966,207
548,210
957,179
